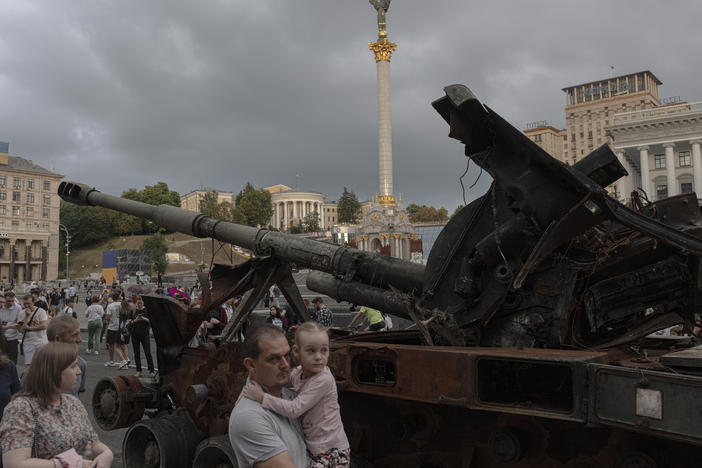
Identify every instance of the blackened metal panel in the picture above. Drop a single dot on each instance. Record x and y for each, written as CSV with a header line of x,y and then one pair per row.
x,y
656,403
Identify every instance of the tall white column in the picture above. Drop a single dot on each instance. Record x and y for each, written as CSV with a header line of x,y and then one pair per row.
x,y
645,172
670,169
383,50
384,129
286,219
697,166
624,184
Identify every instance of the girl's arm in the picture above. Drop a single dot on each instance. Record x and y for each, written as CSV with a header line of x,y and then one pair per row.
x,y
306,398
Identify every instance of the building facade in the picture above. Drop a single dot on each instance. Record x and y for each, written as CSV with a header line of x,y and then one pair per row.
x,y
660,149
331,214
191,201
590,108
550,139
291,206
29,220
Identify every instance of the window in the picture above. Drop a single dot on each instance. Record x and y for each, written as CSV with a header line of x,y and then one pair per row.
x,y
30,212
661,191
45,227
47,199
45,213
16,196
47,185
659,162
15,211
685,160
16,182
3,181
3,195
30,198
29,226
686,187
30,184
537,138
3,209
15,223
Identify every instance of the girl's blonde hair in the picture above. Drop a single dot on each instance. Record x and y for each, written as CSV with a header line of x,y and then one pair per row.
x,y
309,327
44,376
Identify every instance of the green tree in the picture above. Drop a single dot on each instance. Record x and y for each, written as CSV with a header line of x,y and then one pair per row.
x,y
349,208
458,208
254,206
159,194
85,224
210,206
310,223
412,209
157,245
428,214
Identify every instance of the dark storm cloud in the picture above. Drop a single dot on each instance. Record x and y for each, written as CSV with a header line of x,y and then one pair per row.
x,y
126,93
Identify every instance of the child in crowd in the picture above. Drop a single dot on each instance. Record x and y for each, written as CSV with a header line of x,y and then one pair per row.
x,y
316,403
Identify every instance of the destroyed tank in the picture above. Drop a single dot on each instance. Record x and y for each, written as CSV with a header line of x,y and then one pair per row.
x,y
532,345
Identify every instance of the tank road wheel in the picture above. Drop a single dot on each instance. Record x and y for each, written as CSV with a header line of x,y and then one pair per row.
x,y
111,407
636,459
507,445
163,442
215,452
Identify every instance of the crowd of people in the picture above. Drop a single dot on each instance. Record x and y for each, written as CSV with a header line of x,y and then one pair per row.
x,y
293,412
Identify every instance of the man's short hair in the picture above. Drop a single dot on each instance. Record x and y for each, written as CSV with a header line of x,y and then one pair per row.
x,y
60,326
251,348
317,300
9,294
27,297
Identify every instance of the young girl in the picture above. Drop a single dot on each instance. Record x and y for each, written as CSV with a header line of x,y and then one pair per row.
x,y
316,401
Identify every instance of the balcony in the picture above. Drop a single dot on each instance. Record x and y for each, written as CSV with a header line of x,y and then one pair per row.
x,y
657,112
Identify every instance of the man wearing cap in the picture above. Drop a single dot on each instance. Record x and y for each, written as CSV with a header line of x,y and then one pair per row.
x,y
321,314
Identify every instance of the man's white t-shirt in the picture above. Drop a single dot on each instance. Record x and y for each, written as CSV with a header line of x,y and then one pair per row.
x,y
36,337
113,311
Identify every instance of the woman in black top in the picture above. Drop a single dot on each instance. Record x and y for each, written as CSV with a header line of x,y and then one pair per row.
x,y
140,337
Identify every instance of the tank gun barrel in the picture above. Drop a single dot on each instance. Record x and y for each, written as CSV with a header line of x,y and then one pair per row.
x,y
373,269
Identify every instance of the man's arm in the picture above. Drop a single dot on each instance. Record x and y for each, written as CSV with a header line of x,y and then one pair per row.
x,y
282,460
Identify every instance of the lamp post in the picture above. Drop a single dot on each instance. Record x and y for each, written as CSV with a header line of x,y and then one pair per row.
x,y
68,252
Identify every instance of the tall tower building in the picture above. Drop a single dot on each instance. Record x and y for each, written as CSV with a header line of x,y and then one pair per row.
x,y
590,107
385,227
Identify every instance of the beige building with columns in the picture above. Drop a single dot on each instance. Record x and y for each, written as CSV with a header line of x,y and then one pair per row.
x,y
29,220
191,201
291,206
550,139
590,108
660,149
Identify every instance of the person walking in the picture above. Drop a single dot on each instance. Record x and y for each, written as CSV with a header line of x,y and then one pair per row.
x,y
44,423
94,314
113,338
140,338
125,321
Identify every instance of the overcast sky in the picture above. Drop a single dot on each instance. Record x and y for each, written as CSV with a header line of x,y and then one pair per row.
x,y
126,93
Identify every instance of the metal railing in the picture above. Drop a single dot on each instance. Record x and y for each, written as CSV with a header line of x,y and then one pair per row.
x,y
655,112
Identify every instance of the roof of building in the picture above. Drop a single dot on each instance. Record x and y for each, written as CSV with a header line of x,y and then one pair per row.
x,y
613,78
297,191
542,128
209,189
20,164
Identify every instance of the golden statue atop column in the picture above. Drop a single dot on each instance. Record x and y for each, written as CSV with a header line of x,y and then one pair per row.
x,y
382,48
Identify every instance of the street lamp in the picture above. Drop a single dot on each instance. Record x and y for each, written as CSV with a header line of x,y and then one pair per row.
x,y
68,252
